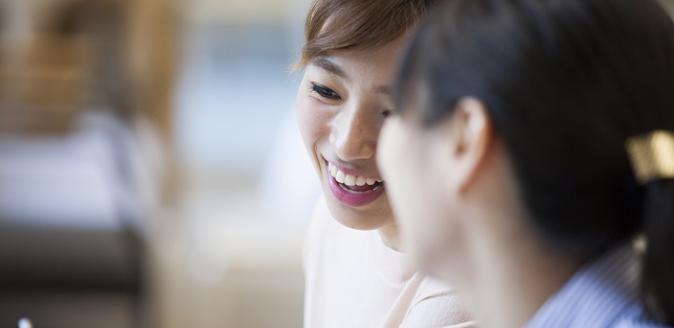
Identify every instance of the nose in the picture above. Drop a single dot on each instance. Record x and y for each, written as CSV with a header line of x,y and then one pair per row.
x,y
354,135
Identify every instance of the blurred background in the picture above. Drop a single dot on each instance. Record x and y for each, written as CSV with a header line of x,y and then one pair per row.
x,y
150,170
151,174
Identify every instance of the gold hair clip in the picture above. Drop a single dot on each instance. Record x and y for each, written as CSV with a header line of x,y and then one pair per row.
x,y
652,156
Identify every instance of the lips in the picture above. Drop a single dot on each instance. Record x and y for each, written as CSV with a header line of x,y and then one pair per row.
x,y
352,189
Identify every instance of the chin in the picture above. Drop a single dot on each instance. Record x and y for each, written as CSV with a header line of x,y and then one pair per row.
x,y
370,217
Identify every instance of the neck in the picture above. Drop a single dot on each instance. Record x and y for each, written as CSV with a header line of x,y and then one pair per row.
x,y
390,236
511,283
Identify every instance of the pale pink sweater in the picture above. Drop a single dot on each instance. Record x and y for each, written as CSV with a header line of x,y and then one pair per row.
x,y
353,280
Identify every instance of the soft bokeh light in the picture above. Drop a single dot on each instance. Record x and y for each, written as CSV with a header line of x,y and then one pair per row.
x,y
150,171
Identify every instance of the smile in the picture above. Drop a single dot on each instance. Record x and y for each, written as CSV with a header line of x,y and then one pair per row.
x,y
352,189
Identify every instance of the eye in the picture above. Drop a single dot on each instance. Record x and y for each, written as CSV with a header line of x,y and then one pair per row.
x,y
325,92
387,113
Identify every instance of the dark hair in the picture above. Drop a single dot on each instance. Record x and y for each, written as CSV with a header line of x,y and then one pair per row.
x,y
566,83
334,25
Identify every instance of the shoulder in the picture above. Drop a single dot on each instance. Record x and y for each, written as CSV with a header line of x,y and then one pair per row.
x,y
437,305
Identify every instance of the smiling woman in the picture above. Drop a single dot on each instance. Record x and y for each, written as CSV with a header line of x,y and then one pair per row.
x,y
356,274
342,110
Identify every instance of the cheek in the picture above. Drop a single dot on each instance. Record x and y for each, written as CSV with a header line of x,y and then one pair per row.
x,y
313,122
437,232
417,196
419,212
428,220
399,162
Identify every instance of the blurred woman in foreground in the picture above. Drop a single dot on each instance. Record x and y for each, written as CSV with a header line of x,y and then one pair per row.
x,y
534,140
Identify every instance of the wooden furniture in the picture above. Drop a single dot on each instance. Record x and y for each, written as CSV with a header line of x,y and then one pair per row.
x,y
121,54
43,86
64,60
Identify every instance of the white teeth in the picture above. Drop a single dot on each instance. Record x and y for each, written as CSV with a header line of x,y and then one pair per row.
x,y
340,177
348,179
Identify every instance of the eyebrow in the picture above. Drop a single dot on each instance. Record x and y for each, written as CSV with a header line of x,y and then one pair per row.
x,y
327,64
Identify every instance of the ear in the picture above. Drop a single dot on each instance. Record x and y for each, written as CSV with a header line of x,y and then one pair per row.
x,y
470,133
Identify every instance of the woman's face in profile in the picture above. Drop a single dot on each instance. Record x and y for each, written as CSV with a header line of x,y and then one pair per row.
x,y
446,183
415,192
425,170
342,102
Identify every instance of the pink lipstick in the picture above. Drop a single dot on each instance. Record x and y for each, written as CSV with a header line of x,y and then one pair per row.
x,y
350,188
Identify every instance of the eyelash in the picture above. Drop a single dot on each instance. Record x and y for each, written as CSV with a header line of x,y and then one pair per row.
x,y
328,93
324,92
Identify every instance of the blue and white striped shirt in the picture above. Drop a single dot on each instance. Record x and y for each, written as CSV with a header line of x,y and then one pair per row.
x,y
603,293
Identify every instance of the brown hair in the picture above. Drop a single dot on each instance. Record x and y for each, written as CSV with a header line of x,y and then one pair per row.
x,y
333,25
